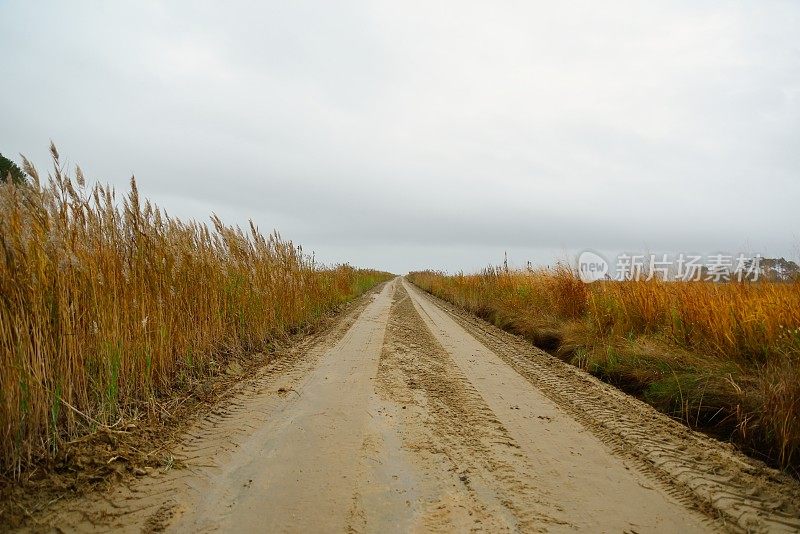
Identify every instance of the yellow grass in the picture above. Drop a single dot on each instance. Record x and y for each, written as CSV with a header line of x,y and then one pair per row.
x,y
723,356
106,302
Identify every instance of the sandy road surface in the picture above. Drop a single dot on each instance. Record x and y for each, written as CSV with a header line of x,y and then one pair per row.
x,y
412,416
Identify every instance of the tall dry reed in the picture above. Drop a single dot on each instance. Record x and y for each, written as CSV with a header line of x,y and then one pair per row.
x,y
106,302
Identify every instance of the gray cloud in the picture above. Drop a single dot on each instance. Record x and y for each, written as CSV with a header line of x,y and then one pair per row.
x,y
414,134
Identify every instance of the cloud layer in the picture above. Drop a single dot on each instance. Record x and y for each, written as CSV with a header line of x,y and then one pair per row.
x,y
418,134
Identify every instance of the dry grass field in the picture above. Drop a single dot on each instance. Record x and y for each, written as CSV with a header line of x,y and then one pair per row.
x,y
724,357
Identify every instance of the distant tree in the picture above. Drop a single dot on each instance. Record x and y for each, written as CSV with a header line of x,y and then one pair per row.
x,y
9,168
779,269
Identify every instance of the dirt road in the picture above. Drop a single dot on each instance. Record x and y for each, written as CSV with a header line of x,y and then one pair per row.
x,y
412,416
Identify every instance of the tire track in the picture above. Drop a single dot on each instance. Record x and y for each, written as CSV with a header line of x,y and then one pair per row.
x,y
475,477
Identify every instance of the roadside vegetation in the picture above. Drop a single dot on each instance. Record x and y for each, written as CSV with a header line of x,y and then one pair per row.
x,y
109,307
723,357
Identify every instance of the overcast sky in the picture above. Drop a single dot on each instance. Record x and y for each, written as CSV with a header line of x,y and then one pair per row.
x,y
405,135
